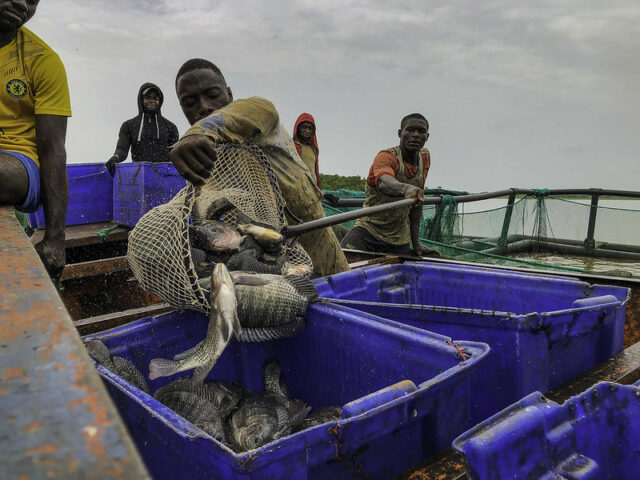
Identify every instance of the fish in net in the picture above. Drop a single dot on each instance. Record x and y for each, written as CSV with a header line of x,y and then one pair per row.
x,y
159,249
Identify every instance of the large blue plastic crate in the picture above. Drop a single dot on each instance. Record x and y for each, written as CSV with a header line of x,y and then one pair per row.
x,y
543,330
90,196
595,435
140,186
404,391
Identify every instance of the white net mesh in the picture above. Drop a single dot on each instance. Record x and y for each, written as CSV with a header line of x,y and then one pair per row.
x,y
159,251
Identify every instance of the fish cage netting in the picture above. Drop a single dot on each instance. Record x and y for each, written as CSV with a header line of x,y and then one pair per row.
x,y
532,224
159,251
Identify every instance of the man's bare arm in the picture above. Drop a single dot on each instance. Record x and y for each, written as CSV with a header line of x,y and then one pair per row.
x,y
51,133
392,187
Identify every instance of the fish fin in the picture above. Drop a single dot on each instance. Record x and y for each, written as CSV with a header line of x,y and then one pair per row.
x,y
200,373
298,411
237,327
303,286
264,334
249,280
161,367
99,352
188,353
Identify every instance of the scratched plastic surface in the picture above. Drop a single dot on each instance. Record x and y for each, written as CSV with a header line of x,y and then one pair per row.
x,y
543,330
140,186
404,391
594,435
90,196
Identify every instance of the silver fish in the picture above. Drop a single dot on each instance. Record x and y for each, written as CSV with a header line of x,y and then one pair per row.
x,y
264,417
267,237
214,236
118,365
268,300
223,323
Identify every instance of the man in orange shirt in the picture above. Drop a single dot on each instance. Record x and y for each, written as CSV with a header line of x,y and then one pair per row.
x,y
396,173
34,106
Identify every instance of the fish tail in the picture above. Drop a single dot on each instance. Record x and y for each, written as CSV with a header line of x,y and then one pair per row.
x,y
161,367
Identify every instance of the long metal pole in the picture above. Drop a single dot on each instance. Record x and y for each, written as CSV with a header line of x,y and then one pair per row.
x,y
357,202
295,230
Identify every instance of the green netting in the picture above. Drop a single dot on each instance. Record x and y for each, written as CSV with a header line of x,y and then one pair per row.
x,y
539,231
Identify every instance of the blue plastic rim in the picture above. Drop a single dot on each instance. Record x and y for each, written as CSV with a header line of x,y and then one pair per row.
x,y
140,186
594,435
90,196
404,394
543,330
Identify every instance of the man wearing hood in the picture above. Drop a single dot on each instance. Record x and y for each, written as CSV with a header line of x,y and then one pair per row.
x,y
149,134
34,106
306,142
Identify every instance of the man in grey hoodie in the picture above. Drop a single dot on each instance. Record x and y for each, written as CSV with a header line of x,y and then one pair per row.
x,y
149,134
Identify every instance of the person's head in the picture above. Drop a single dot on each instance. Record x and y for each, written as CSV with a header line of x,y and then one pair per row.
x,y
306,131
15,13
201,89
413,133
150,98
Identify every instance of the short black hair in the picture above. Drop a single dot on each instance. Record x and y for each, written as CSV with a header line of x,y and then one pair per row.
x,y
413,115
197,64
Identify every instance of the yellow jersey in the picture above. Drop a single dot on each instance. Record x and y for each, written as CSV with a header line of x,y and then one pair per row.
x,y
32,82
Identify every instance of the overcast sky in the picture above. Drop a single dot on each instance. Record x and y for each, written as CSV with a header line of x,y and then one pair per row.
x,y
518,94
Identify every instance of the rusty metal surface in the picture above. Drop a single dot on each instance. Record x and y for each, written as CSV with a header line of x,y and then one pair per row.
x,y
76,271
104,294
100,323
80,235
57,420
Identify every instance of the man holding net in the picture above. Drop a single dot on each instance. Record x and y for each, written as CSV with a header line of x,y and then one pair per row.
x,y
398,172
216,118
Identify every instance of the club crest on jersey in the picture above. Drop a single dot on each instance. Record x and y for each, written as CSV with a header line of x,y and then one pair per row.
x,y
16,88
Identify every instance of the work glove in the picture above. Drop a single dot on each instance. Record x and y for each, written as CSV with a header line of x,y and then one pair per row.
x,y
111,165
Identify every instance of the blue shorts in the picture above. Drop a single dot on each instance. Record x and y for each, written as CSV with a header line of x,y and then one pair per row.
x,y
32,202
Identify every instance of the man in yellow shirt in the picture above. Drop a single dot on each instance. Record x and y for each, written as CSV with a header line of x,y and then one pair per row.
x,y
33,122
216,117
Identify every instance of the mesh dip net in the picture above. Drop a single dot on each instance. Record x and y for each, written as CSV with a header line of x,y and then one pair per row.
x,y
159,251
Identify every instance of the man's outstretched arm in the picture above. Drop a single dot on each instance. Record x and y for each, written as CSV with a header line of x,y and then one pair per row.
x,y
51,131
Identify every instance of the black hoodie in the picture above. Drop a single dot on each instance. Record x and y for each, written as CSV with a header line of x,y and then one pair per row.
x,y
149,134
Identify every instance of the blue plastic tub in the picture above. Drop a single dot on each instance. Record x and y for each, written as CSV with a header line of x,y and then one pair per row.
x,y
140,186
595,435
90,196
404,391
543,330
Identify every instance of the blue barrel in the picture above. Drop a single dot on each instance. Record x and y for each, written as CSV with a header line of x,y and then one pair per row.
x,y
404,394
140,186
543,330
90,196
592,436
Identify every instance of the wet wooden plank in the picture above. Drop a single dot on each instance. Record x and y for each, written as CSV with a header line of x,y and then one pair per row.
x,y
87,234
99,323
76,271
57,418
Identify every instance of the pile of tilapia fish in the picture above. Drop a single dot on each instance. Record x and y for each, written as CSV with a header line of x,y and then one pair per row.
x,y
241,419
